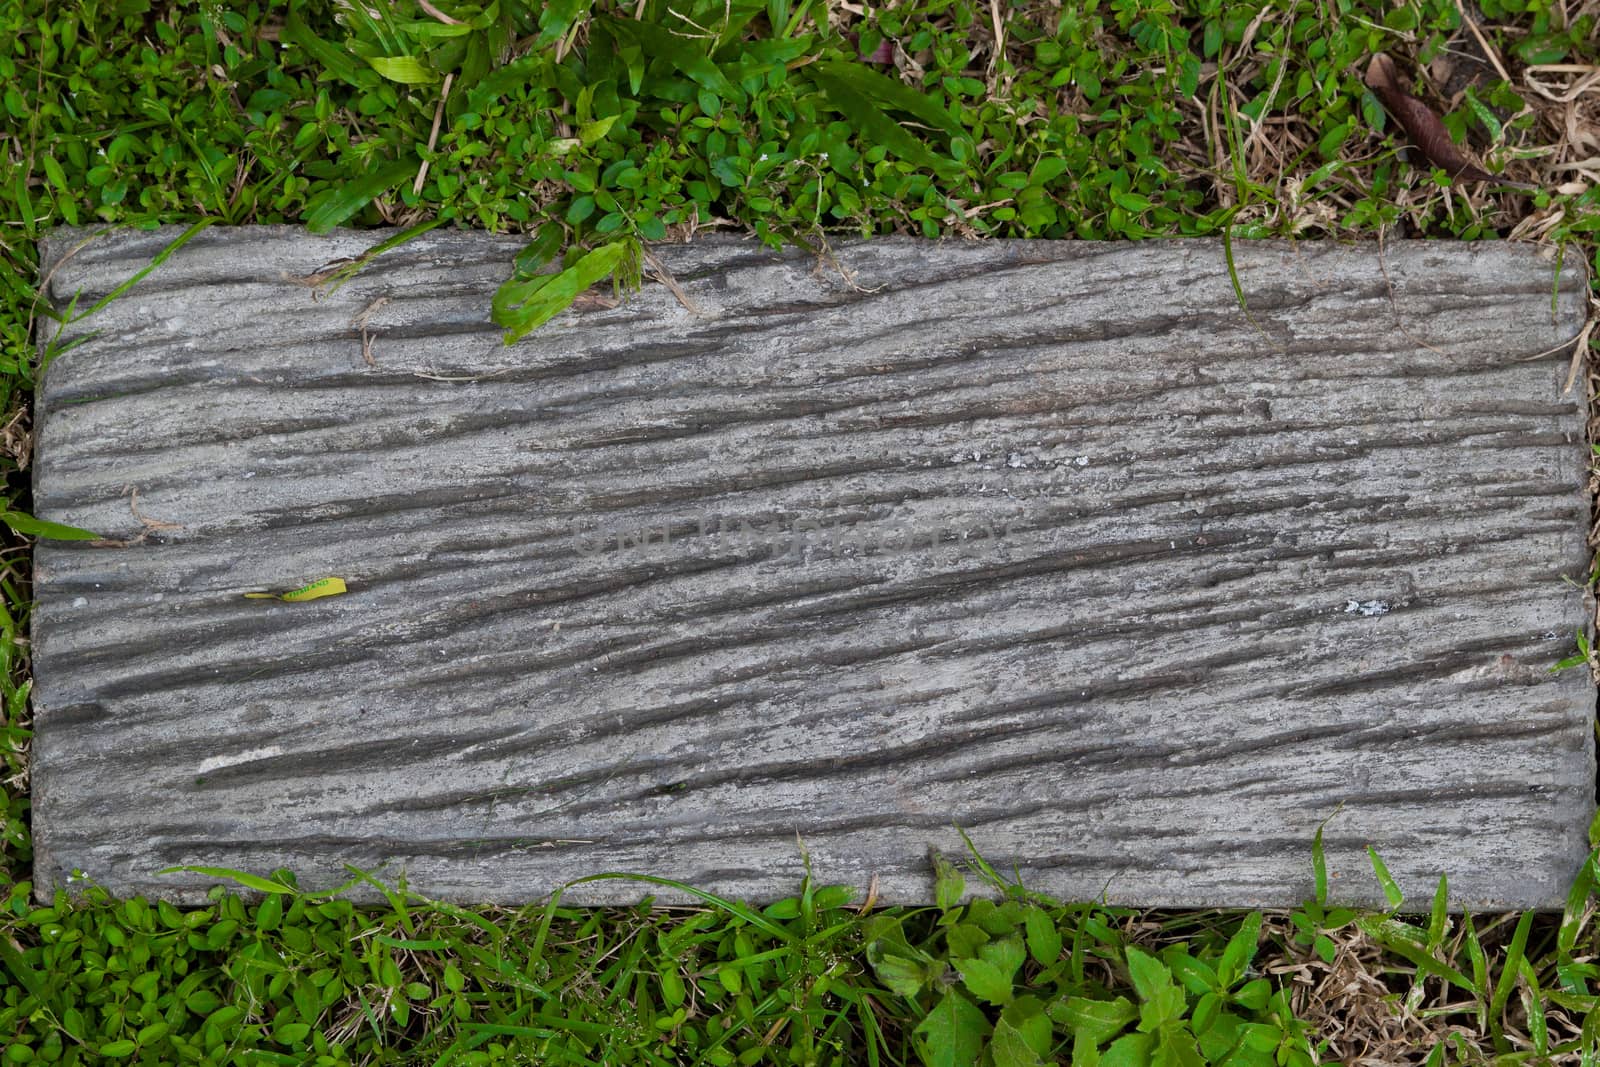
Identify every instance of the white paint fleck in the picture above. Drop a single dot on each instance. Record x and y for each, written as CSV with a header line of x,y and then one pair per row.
x,y
211,763
1366,608
1081,461
249,474
1015,460
80,602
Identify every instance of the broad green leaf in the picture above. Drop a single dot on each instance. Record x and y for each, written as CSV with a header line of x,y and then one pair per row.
x,y
23,523
1175,1047
949,884
590,132
1241,950
53,171
1026,1016
1130,1050
986,980
1007,953
1165,1007
524,305
1150,976
407,70
903,976
952,1034
1098,1020
1044,936
544,247
1196,976
1254,994
351,197
557,16
1206,1012
1009,1048
270,913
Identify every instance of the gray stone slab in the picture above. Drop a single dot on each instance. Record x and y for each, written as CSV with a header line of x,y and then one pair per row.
x,y
1047,541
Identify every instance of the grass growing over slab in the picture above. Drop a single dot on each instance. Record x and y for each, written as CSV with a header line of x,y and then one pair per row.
x,y
596,128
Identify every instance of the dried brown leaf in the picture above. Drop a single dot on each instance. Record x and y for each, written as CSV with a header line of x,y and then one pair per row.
x,y
1425,129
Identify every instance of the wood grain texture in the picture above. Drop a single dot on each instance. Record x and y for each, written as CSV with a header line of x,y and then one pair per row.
x,y
1044,540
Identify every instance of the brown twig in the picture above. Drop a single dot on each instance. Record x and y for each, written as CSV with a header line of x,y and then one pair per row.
x,y
664,276
361,321
433,134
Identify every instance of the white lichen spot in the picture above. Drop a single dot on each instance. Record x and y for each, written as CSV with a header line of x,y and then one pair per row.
x,y
1081,461
1016,461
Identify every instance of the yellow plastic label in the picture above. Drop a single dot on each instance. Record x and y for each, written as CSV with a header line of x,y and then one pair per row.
x,y
320,588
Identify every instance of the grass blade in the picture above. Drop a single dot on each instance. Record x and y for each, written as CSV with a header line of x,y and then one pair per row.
x,y
23,523
336,61
161,257
244,878
1319,861
1572,912
1391,890
1533,1002
877,126
732,907
29,978
891,93
1507,979
683,57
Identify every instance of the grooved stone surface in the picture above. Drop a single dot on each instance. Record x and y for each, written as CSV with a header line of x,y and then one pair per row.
x,y
1044,540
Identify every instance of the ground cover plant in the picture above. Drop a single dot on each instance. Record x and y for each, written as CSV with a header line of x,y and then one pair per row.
x,y
598,127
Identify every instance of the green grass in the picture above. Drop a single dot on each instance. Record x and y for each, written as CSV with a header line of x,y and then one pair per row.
x,y
594,128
